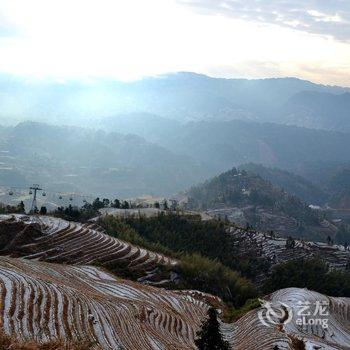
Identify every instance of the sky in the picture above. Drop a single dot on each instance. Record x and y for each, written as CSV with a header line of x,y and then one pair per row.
x,y
131,39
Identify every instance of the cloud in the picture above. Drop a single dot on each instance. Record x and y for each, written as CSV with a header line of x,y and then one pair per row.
x,y
325,17
318,72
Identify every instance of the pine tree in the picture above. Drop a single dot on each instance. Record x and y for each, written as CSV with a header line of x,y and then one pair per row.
x,y
165,205
210,337
43,210
116,203
290,243
125,205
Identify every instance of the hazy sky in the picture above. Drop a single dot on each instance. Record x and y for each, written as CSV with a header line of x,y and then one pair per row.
x,y
128,39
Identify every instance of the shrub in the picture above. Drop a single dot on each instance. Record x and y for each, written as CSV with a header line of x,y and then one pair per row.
x,y
213,277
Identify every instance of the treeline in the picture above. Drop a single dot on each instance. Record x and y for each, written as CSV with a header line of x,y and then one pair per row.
x,y
189,234
12,209
313,274
72,213
88,210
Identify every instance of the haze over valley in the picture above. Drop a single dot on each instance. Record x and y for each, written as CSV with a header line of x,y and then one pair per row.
x,y
196,127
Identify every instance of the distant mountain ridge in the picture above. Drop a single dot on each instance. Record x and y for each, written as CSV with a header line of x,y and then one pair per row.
x,y
223,144
181,96
320,110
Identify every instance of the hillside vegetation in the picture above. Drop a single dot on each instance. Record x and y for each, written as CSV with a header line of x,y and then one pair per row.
x,y
309,273
254,254
290,182
212,268
259,203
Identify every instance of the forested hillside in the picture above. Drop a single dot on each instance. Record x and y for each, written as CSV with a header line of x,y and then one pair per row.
x,y
290,182
267,259
247,199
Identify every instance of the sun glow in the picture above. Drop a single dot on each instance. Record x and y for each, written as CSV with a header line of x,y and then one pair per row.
x,y
128,39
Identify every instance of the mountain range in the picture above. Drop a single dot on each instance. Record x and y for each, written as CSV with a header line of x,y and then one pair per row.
x,y
181,96
222,144
146,154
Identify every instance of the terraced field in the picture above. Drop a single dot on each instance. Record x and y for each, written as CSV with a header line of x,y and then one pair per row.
x,y
52,239
44,301
274,248
250,333
55,240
